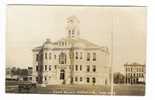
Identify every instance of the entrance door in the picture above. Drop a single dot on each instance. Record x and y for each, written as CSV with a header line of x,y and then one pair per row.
x,y
62,75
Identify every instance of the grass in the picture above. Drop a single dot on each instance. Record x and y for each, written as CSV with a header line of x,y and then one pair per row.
x,y
132,90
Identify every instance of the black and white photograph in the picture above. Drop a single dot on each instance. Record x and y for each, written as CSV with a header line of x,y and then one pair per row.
x,y
78,50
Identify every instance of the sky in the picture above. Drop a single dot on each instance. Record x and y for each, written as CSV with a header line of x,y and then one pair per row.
x,y
120,28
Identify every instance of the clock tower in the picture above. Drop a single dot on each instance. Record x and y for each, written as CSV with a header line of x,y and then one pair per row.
x,y
73,27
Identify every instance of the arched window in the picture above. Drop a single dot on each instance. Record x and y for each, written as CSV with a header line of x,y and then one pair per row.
x,y
62,58
87,79
93,80
94,68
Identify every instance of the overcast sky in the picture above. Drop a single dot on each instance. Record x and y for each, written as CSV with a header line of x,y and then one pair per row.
x,y
29,26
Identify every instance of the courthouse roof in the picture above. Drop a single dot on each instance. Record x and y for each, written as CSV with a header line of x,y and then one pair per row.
x,y
78,42
74,42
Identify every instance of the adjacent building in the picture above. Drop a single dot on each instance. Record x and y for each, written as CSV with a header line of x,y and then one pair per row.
x,y
135,73
71,60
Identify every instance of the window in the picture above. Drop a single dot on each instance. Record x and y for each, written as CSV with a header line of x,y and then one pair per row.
x,y
80,67
49,67
62,58
45,78
131,69
55,57
62,43
76,79
80,78
55,66
106,81
37,79
80,55
76,55
45,55
69,32
59,43
76,67
36,68
72,31
94,56
62,74
45,67
50,56
88,68
142,70
65,43
88,56
37,57
87,79
137,75
30,78
93,80
94,68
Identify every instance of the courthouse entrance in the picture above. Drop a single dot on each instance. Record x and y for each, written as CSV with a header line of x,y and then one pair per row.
x,y
62,76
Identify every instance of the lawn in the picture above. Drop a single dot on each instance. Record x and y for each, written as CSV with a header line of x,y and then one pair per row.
x,y
131,90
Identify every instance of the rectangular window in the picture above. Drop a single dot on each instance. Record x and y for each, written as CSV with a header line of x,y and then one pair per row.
x,y
62,43
76,55
88,68
36,68
94,68
45,78
49,67
76,79
76,67
55,66
80,78
37,57
94,56
45,55
37,79
55,57
80,67
50,56
131,69
88,56
142,70
81,55
45,67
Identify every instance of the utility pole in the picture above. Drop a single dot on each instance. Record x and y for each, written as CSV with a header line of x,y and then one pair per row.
x,y
112,83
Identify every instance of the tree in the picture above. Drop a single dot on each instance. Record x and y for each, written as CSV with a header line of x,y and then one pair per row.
x,y
119,78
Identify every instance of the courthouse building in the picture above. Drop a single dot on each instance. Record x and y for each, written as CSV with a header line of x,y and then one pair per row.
x,y
71,60
135,73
